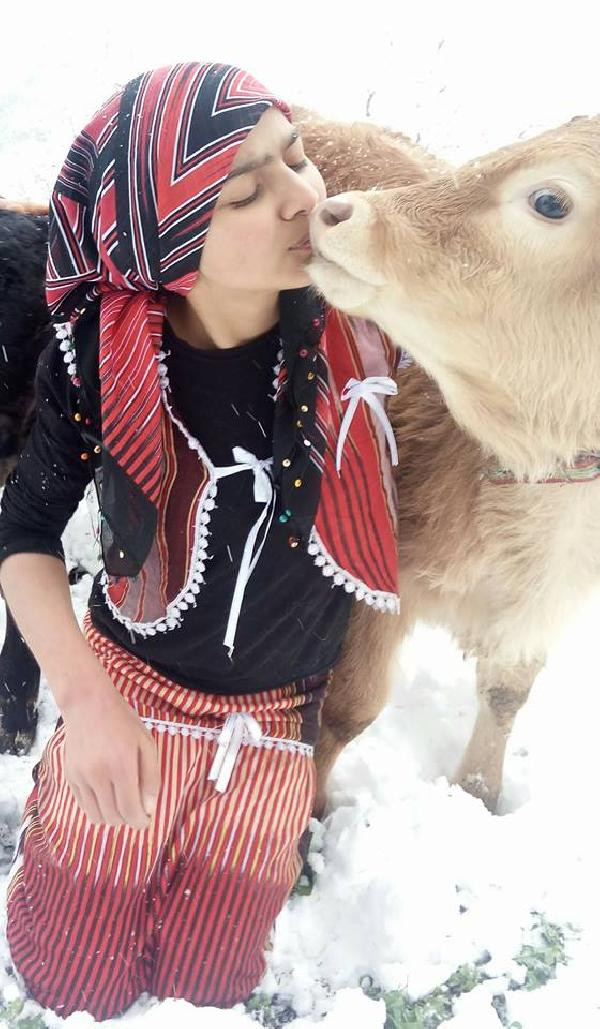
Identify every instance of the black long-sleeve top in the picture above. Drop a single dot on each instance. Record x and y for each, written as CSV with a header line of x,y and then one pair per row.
x,y
292,621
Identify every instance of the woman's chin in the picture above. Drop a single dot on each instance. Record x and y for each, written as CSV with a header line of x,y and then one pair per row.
x,y
297,279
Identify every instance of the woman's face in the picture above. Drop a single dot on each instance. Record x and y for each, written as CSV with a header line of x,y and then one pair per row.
x,y
258,237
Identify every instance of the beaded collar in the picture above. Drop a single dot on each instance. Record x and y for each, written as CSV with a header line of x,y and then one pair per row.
x,y
585,467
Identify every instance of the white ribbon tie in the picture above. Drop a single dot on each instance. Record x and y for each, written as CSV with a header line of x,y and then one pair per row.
x,y
239,728
367,390
263,494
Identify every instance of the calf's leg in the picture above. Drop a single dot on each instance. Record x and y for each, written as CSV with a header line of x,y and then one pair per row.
x,y
501,690
358,690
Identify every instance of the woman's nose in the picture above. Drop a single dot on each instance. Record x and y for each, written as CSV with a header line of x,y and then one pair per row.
x,y
335,211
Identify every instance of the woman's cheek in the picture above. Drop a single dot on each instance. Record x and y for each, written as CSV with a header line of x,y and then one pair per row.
x,y
251,251
257,237
226,248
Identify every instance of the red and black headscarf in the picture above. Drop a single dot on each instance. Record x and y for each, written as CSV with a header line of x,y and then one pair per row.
x,y
129,215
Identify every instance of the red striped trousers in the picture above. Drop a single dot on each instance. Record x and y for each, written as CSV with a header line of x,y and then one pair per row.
x,y
97,914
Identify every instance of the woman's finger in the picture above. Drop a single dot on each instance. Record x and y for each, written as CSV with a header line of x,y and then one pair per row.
x,y
148,775
128,799
107,802
86,798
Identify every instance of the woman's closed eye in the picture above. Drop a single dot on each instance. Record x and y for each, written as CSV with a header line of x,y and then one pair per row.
x,y
300,166
248,200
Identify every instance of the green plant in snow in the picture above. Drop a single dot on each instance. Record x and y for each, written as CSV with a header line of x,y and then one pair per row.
x,y
541,959
272,1012
10,1017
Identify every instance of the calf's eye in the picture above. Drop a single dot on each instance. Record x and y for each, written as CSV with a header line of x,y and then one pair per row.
x,y
550,203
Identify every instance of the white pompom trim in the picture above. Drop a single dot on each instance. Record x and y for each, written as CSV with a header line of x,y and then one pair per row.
x,y
64,334
276,373
186,598
330,569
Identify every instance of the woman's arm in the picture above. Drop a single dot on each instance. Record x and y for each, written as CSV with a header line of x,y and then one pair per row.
x,y
110,758
36,589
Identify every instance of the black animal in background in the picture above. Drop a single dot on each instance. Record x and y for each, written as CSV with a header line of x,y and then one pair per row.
x,y
25,330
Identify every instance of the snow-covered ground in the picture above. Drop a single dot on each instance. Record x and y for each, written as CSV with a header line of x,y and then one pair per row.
x,y
414,878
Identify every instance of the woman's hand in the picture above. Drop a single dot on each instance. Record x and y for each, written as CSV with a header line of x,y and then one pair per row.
x,y
110,759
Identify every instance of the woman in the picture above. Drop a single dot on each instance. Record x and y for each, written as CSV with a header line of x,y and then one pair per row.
x,y
198,379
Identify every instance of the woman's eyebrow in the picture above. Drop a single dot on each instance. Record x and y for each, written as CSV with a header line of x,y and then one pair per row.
x,y
253,165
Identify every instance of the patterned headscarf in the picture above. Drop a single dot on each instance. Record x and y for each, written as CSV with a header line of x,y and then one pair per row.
x,y
129,214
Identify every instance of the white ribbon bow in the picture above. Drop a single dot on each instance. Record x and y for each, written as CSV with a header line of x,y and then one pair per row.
x,y
263,494
367,389
239,727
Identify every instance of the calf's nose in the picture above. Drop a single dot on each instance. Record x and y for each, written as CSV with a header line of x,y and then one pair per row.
x,y
335,211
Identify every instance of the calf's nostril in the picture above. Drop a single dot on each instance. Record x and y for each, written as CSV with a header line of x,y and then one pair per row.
x,y
335,211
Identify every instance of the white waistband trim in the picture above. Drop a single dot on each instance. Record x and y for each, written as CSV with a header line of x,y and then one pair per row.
x,y
240,729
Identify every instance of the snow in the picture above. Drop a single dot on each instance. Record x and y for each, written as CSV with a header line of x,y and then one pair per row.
x,y
401,851
413,877
466,76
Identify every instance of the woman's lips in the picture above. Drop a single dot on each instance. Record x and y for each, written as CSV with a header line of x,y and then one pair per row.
x,y
303,245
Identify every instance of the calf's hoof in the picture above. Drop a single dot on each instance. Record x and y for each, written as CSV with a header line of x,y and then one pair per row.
x,y
476,785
